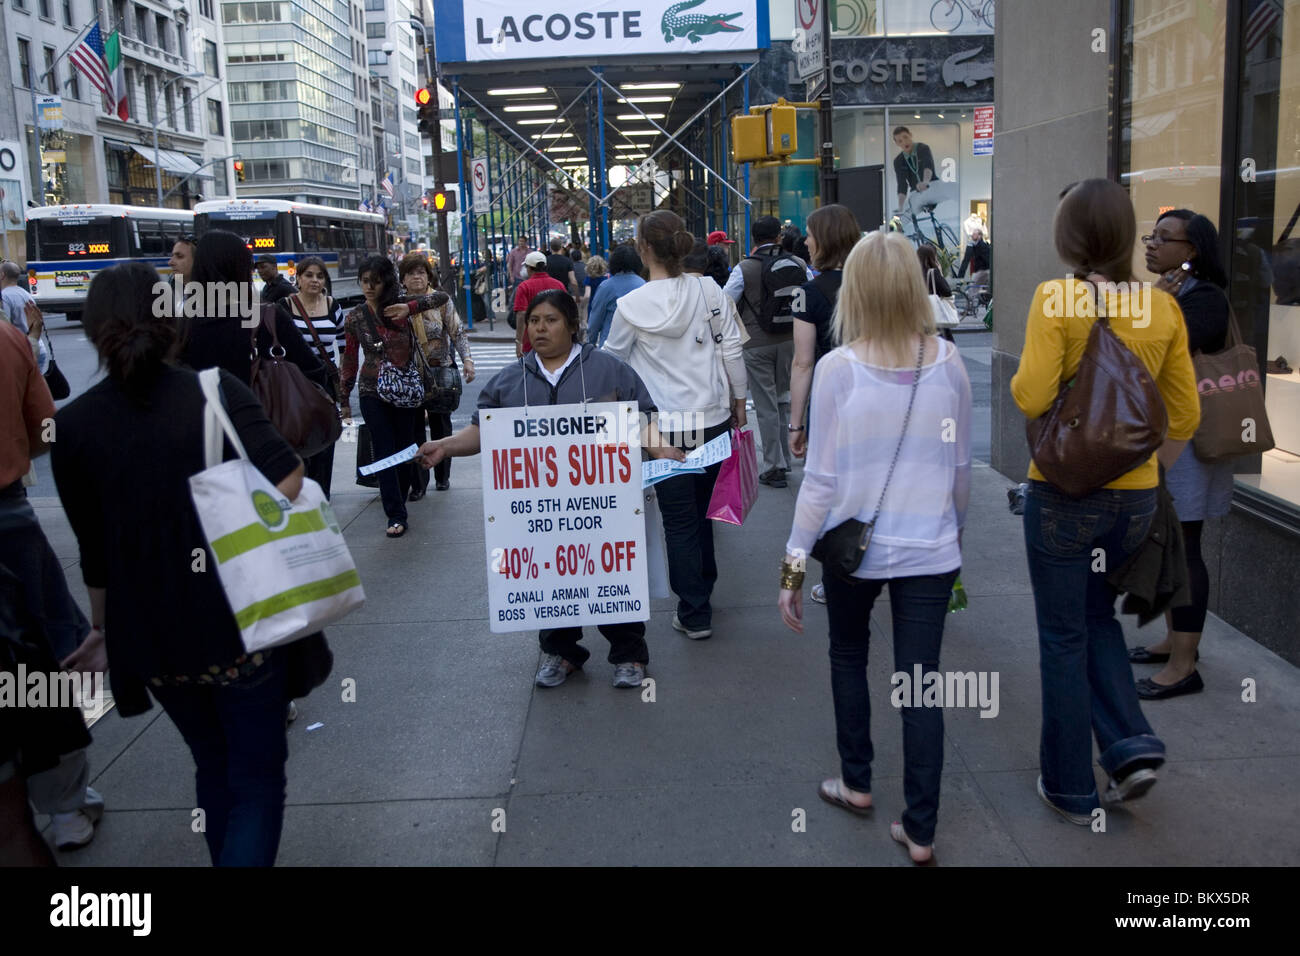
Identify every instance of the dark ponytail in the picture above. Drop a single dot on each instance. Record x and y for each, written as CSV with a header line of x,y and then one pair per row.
x,y
127,319
665,234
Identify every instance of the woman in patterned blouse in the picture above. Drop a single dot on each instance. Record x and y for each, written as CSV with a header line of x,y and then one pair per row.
x,y
442,328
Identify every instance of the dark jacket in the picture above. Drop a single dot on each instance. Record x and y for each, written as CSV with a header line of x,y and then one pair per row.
x,y
225,343
978,258
277,289
606,379
1154,578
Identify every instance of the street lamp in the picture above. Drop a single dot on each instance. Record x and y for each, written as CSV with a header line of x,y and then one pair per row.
x,y
157,170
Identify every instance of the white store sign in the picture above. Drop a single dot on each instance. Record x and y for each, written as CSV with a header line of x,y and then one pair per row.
x,y
563,516
510,30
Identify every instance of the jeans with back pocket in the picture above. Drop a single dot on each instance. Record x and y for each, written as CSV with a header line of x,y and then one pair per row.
x,y
1087,680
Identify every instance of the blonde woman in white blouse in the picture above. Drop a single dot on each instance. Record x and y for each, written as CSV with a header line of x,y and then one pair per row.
x,y
892,399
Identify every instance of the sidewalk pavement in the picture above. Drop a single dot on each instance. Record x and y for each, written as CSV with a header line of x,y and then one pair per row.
x,y
448,736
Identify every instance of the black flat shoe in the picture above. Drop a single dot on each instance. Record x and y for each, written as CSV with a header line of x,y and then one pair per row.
x,y
416,494
443,485
1140,655
1149,690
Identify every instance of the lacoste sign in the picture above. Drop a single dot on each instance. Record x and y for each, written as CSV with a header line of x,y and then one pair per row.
x,y
492,30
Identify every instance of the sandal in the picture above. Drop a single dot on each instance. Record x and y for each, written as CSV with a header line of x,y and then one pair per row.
x,y
832,791
898,833
396,526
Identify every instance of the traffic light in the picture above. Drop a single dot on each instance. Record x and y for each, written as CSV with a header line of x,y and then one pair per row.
x,y
442,200
767,134
239,170
426,108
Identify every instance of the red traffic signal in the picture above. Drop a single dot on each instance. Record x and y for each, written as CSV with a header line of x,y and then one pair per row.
x,y
239,170
423,96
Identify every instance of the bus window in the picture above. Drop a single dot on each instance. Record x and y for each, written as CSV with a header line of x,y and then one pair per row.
x,y
58,241
150,240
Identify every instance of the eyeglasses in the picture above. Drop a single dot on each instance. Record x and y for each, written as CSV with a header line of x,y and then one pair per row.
x,y
1158,240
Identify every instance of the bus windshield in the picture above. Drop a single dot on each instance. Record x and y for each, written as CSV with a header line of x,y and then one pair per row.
x,y
60,240
258,234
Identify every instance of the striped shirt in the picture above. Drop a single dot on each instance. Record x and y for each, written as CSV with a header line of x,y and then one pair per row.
x,y
329,326
857,414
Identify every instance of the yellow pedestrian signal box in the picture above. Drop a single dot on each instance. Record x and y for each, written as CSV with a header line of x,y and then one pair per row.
x,y
782,139
768,134
748,138
443,200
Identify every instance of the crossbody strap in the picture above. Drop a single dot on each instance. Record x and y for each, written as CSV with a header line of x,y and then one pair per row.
x,y
311,327
916,382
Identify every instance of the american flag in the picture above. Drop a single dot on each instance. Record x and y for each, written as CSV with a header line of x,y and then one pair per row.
x,y
388,186
89,59
1261,20
364,207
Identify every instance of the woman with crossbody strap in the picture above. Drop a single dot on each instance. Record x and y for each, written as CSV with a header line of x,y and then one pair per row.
x,y
318,317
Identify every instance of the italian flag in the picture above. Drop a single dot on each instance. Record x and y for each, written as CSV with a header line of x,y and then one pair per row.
x,y
113,56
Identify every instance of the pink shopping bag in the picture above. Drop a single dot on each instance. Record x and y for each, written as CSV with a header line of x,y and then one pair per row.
x,y
737,486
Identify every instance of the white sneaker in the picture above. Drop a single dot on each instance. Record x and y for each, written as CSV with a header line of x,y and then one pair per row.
x,y
76,829
693,635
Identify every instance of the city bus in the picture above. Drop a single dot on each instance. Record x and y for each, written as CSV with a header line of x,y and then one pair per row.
x,y
290,230
67,246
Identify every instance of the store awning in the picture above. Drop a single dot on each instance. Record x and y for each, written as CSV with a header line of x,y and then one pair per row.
x,y
178,164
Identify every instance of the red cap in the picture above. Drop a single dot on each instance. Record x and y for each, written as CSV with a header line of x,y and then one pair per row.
x,y
720,238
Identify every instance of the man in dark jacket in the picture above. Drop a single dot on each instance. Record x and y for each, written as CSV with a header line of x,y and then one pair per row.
x,y
277,287
561,371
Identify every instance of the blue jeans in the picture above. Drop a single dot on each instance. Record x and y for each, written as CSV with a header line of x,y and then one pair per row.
x,y
688,533
237,736
1086,675
919,606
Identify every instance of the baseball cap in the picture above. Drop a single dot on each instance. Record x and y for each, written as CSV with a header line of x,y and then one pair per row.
x,y
720,238
534,259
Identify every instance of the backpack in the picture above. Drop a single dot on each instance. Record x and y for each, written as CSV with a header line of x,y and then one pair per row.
x,y
779,278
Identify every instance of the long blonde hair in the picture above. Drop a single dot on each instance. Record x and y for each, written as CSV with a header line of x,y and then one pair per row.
x,y
882,298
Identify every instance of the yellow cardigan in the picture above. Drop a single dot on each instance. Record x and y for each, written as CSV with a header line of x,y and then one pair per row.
x,y
1150,324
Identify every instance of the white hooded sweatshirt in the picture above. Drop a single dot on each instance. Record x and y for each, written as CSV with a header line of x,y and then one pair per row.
x,y
682,336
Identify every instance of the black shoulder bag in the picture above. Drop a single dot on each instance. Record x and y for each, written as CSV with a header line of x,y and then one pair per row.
x,y
841,549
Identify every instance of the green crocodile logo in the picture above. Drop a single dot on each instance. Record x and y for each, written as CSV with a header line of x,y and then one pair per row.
x,y
692,26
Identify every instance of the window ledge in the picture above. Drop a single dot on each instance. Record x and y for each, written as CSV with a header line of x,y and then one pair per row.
x,y
1267,508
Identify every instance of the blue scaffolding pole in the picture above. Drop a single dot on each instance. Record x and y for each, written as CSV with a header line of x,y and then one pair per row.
x,y
592,208
464,224
744,104
600,160
726,165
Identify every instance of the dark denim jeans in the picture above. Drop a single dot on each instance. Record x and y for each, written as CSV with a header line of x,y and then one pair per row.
x,y
237,736
391,430
1086,675
688,534
439,427
919,606
626,643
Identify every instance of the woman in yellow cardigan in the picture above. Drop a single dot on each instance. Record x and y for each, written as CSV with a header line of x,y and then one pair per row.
x,y
1087,680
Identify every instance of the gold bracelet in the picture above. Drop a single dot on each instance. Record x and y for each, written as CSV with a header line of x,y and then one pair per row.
x,y
791,580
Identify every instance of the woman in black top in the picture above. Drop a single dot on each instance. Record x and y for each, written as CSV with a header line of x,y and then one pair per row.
x,y
122,465
833,231
935,283
1183,249
221,334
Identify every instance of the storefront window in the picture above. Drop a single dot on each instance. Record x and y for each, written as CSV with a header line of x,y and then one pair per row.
x,y
1265,266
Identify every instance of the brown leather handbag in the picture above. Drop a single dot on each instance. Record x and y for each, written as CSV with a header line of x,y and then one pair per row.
x,y
297,407
1105,421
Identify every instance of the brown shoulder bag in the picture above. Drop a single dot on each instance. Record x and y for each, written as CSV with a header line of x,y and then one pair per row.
x,y
1106,421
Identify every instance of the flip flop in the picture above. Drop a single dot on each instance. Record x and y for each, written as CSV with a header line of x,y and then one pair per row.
x,y
832,791
898,833
394,525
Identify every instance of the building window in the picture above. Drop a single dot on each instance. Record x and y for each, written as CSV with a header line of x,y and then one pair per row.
x,y
205,9
119,18
376,57
50,73
376,31
45,9
169,94
187,106
181,50
67,13
375,5
211,64
141,24
215,125
74,84
22,4
151,108
160,32
24,63
132,112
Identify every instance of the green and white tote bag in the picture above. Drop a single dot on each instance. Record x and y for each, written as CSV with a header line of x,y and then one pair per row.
x,y
284,565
